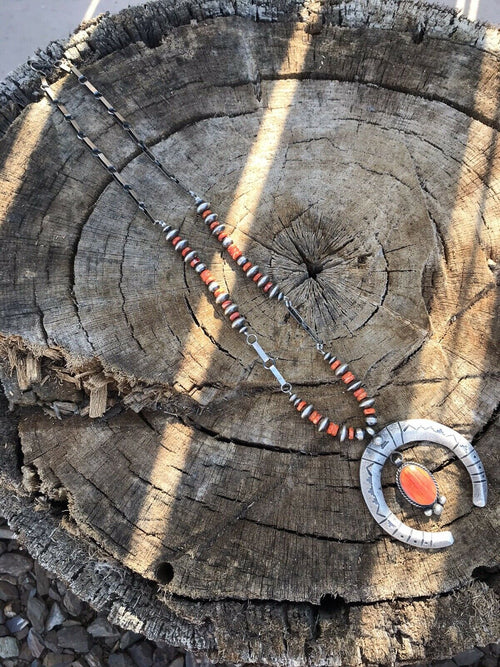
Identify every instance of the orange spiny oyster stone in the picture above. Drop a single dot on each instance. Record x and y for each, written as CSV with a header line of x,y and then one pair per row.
x,y
417,484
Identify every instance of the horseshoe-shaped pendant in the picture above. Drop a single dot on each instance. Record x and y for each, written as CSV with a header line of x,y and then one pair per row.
x,y
400,435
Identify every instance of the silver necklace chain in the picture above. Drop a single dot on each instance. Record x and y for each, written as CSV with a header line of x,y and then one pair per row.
x,y
191,258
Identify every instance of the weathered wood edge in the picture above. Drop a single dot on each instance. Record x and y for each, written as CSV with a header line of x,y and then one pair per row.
x,y
96,38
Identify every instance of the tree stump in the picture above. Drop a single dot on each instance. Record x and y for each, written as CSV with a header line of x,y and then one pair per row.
x,y
149,459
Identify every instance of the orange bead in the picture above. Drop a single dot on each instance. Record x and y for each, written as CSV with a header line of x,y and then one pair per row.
x,y
369,411
360,394
246,266
234,315
185,251
417,484
351,433
301,405
214,224
234,251
205,275
348,377
314,417
222,236
335,364
267,287
332,429
176,240
257,277
206,213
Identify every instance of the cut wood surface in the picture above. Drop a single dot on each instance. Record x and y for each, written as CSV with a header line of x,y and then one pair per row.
x,y
351,149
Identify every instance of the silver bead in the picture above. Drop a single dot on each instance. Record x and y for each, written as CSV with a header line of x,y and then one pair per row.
x,y
211,218
227,242
377,440
341,369
273,291
442,500
203,207
360,434
198,201
428,512
180,245
292,398
262,281
343,433
238,322
161,223
222,297
354,386
327,357
213,286
230,309
241,260
200,267
190,256
306,411
370,430
437,508
371,421
243,330
280,296
252,271
217,230
297,401
171,234
367,403
323,424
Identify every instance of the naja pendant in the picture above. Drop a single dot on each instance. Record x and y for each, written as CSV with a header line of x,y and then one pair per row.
x,y
415,482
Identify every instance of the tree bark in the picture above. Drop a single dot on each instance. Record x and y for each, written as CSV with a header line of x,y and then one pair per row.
x,y
351,149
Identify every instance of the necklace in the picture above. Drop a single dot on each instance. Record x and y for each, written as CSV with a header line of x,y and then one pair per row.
x,y
415,482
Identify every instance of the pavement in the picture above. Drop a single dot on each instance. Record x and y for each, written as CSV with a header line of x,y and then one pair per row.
x,y
29,24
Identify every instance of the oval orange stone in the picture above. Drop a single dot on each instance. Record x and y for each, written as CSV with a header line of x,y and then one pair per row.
x,y
418,484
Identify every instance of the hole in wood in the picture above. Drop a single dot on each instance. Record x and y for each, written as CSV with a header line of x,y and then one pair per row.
x,y
164,573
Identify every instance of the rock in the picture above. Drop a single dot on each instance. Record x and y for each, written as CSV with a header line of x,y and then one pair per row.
x,y
129,638
37,613
142,654
22,634
7,534
3,631
178,662
35,643
489,661
42,580
55,618
15,564
120,660
53,594
8,647
75,637
468,657
25,653
50,641
94,657
8,591
15,624
101,627
12,608
72,604
57,659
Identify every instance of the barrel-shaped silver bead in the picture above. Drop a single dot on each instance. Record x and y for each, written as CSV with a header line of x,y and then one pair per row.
x,y
229,310
280,296
273,291
227,242
354,386
367,403
200,267
292,398
213,286
241,260
190,255
371,421
211,218
252,271
360,434
306,411
297,401
217,230
238,322
171,234
343,433
262,281
370,430
222,297
327,356
341,369
323,424
180,245
203,207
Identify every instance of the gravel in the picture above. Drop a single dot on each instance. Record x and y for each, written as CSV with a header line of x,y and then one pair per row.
x,y
43,624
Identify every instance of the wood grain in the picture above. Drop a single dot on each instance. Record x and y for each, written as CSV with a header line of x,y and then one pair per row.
x,y
353,155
